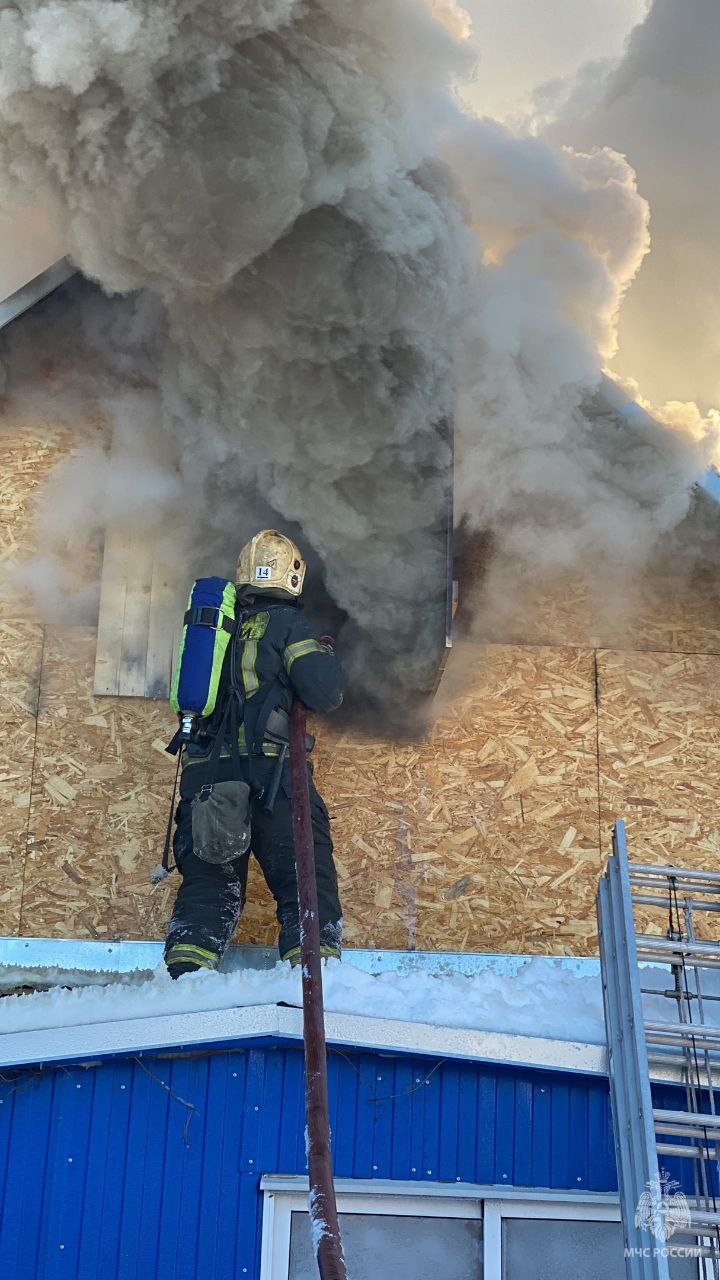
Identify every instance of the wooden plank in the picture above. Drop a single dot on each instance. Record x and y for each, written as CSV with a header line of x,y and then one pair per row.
x,y
167,605
113,590
132,679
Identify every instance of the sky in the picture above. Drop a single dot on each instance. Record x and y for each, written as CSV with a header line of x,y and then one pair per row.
x,y
525,43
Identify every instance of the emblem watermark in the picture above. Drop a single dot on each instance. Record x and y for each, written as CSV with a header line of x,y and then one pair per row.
x,y
662,1210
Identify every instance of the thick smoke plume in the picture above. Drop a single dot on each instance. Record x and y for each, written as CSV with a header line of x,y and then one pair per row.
x,y
660,106
326,260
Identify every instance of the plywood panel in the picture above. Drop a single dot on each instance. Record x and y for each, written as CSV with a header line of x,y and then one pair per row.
x,y
658,611
660,755
26,457
21,645
28,454
99,804
484,836
660,751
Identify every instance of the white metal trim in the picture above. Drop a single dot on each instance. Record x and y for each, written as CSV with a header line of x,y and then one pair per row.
x,y
492,1241
285,1195
280,1206
28,294
269,1226
224,1026
559,1209
497,1192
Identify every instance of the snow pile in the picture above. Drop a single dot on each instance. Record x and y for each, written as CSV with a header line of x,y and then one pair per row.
x,y
543,999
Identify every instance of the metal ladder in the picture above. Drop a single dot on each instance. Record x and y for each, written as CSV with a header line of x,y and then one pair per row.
x,y
683,1046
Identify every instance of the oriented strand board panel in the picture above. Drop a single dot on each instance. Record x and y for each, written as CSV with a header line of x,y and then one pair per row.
x,y
21,645
99,805
657,611
484,836
27,455
660,755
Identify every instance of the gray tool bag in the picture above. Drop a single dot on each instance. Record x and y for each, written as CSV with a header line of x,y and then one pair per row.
x,y
221,821
220,811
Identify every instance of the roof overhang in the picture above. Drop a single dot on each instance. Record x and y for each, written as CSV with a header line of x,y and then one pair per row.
x,y
39,287
52,962
272,1024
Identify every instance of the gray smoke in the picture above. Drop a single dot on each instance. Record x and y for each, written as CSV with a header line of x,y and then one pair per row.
x,y
554,462
263,170
660,106
325,261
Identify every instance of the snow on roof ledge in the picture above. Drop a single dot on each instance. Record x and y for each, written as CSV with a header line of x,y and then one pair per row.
x,y
62,961
539,1012
263,1023
116,998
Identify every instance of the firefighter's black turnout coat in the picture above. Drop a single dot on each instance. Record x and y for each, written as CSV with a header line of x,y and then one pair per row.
x,y
277,657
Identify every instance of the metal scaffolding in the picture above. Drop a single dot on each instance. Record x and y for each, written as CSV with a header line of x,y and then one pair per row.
x,y
670,974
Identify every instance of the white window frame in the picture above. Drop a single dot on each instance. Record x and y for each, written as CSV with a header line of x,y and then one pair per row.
x,y
285,1196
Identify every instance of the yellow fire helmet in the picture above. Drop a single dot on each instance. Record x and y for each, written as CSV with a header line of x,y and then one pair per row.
x,y
271,562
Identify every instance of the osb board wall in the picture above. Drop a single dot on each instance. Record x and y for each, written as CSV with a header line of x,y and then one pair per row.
x,y
484,836
452,842
660,757
665,611
27,455
489,835
99,801
20,663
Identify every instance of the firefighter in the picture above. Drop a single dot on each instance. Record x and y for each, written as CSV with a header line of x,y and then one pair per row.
x,y
277,656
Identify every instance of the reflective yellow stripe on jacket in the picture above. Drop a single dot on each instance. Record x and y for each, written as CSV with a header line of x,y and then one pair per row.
x,y
299,649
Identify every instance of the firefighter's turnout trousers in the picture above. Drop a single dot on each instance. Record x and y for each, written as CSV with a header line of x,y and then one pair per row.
x,y
211,896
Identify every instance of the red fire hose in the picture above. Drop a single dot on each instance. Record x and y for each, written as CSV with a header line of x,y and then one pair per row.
x,y
323,1209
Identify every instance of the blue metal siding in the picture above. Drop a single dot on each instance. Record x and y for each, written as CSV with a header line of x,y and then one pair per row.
x,y
149,1168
